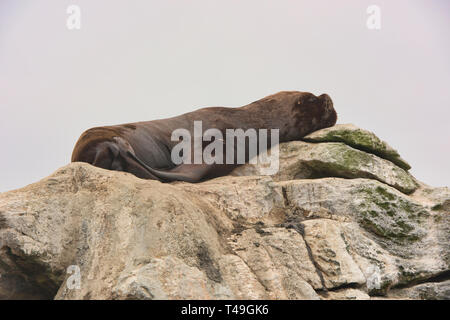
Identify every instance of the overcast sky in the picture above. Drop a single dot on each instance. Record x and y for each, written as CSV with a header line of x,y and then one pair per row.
x,y
143,60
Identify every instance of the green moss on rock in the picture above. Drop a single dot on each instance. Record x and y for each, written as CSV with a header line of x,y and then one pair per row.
x,y
390,216
359,139
339,160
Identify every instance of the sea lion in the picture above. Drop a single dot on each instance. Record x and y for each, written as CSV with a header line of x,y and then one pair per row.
x,y
144,148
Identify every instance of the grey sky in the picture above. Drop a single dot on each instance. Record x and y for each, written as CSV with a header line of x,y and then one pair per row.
x,y
142,60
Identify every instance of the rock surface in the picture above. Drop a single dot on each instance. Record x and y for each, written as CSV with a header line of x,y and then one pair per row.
x,y
302,160
334,223
359,139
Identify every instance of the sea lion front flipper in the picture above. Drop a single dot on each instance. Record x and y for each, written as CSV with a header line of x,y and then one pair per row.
x,y
103,156
183,172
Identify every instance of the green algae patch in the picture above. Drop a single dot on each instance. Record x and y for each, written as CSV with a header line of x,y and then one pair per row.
x,y
340,160
390,216
359,139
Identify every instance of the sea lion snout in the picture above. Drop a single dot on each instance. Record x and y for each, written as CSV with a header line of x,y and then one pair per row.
x,y
325,98
330,114
315,112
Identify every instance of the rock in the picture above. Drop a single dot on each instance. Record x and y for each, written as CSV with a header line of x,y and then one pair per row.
x,y
329,252
380,209
250,199
359,139
103,222
379,266
166,278
401,237
437,199
301,160
347,294
425,291
280,259
334,223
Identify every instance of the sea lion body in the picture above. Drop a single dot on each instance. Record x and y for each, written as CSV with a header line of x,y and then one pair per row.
x,y
144,148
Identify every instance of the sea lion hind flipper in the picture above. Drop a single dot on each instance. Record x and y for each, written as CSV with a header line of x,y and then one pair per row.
x,y
183,172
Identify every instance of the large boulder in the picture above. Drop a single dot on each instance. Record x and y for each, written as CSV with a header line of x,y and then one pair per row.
x,y
336,222
359,139
302,160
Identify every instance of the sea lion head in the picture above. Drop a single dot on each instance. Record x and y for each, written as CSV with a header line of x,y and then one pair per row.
x,y
295,113
313,113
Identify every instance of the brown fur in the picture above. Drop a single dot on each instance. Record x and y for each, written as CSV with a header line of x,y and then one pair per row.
x,y
144,147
